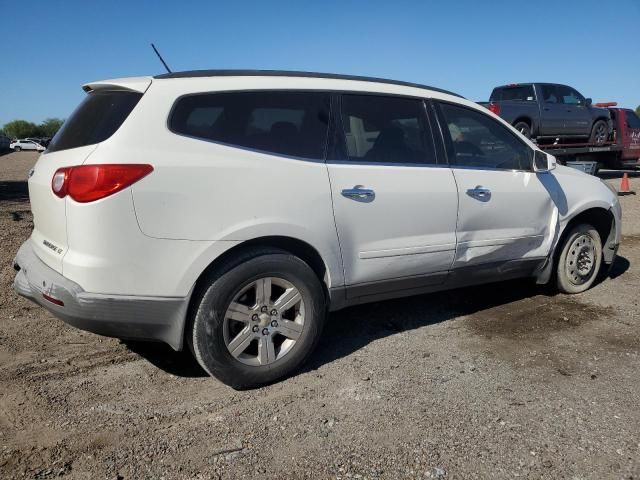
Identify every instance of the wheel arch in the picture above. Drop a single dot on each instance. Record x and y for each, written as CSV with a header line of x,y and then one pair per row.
x,y
524,119
301,249
604,222
600,218
528,120
600,118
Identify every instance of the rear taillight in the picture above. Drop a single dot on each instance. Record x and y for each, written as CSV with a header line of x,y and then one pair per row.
x,y
87,183
495,108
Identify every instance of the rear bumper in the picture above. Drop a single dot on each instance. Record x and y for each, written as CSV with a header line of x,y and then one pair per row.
x,y
127,317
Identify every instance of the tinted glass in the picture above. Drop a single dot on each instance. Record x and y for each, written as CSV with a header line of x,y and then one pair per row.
x,y
476,140
96,119
287,123
569,96
386,130
632,119
522,93
549,94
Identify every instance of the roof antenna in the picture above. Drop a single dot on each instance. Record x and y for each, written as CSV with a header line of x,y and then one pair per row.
x,y
160,57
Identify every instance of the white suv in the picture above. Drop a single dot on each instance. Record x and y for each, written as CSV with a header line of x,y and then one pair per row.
x,y
228,211
26,144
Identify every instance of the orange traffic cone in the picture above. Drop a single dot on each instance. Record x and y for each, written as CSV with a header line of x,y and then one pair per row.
x,y
624,185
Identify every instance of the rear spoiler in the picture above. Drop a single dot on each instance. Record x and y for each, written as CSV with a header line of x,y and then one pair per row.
x,y
133,84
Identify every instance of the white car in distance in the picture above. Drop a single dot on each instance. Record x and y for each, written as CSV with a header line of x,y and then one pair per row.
x,y
26,144
228,211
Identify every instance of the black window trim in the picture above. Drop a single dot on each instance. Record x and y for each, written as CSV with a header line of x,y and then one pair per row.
x,y
248,149
335,122
340,132
447,147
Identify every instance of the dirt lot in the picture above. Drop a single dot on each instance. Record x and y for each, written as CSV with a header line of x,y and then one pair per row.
x,y
502,381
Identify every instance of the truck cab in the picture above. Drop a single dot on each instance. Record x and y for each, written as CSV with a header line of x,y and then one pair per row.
x,y
627,125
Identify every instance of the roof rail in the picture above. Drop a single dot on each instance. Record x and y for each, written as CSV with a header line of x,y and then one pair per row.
x,y
286,73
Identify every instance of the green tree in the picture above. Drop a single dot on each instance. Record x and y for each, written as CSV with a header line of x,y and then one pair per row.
x,y
50,126
21,129
638,109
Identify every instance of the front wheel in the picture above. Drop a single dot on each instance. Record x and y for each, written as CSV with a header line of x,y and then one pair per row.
x,y
258,318
599,133
580,259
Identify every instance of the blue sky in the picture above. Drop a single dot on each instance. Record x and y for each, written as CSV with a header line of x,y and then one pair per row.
x,y
464,46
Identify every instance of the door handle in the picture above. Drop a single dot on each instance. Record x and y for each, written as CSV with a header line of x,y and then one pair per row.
x,y
359,193
480,193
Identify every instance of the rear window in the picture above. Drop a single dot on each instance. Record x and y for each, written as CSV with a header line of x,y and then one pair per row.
x,y
97,118
522,93
632,119
285,123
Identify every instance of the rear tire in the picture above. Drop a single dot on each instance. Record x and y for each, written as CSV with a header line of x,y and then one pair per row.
x,y
247,334
599,133
17,149
523,128
580,259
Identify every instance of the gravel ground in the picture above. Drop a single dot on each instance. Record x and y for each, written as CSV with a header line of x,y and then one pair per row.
x,y
503,381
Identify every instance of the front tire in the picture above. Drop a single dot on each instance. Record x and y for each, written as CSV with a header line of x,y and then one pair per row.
x,y
580,259
258,318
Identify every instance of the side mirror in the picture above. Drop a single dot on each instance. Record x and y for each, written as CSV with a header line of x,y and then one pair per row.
x,y
588,102
543,162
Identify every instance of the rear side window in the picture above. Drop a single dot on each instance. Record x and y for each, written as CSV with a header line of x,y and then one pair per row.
x,y
96,119
521,93
285,123
632,119
386,129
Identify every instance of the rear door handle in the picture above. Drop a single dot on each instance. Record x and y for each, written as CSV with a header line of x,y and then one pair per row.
x,y
359,193
480,193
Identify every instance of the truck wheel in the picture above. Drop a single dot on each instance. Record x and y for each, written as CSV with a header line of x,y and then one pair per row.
x,y
523,128
257,318
580,259
599,133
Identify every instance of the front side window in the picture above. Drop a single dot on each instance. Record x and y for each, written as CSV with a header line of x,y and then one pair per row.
x,y
478,141
386,129
285,123
569,96
632,119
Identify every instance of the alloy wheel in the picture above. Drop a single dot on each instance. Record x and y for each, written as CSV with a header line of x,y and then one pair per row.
x,y
264,321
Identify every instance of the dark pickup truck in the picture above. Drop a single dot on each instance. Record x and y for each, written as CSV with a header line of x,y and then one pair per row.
x,y
551,110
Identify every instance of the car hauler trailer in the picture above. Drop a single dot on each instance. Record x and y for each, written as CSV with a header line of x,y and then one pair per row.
x,y
622,151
